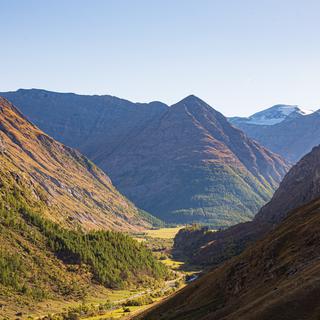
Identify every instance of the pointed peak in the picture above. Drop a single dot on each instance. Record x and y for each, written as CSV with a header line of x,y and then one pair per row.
x,y
192,99
192,102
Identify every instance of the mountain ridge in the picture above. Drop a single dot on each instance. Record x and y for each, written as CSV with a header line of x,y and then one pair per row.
x,y
165,159
62,178
190,133
292,138
273,115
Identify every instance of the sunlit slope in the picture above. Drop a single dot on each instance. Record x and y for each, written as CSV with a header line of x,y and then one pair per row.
x,y
75,192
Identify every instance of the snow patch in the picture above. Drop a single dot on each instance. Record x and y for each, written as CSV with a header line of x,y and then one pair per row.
x,y
276,114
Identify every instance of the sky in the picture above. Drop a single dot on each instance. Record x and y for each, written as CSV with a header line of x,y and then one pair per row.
x,y
240,56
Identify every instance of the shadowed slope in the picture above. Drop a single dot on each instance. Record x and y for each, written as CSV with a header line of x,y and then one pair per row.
x,y
300,186
190,164
276,278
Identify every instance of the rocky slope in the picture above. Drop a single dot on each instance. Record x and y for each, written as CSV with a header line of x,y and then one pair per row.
x,y
74,192
292,136
276,278
184,163
300,186
190,164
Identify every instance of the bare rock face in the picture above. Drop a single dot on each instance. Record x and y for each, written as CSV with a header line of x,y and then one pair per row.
x,y
75,193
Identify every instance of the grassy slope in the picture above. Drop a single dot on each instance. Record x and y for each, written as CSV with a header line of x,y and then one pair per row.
x,y
40,260
277,278
75,191
217,194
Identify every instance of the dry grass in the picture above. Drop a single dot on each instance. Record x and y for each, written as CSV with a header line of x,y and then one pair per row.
x,y
164,233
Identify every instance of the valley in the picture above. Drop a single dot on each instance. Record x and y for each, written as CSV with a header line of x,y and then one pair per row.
x,y
74,247
182,163
103,303
159,160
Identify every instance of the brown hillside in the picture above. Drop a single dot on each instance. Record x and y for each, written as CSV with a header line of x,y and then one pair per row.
x,y
277,278
73,190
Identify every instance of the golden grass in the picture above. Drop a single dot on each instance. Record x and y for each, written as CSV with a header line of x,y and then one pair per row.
x,y
173,264
164,233
120,314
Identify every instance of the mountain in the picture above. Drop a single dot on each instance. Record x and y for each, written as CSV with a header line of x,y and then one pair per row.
x,y
190,164
74,191
182,163
273,115
300,186
44,267
276,278
291,132
55,207
92,124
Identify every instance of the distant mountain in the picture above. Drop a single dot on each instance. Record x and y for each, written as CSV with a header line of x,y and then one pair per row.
x,y
273,115
276,278
287,130
190,165
92,124
300,186
183,163
74,191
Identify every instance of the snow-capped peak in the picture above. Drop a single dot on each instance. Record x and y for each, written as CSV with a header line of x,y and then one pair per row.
x,y
274,115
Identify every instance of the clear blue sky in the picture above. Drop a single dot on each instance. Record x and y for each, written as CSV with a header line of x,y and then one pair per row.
x,y
240,56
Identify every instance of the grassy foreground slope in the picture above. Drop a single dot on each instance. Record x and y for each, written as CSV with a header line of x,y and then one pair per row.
x,y
41,260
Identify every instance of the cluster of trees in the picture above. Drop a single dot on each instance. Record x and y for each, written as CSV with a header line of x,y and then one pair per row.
x,y
10,267
114,259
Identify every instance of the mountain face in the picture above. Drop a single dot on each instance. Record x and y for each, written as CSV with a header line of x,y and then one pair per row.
x,y
91,124
276,278
300,186
291,132
190,164
182,163
273,115
74,192
58,213
44,266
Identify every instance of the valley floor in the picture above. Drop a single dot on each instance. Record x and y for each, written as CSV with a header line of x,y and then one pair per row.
x,y
102,303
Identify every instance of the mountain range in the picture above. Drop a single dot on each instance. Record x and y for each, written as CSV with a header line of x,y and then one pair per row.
x,y
277,276
59,212
181,163
290,131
